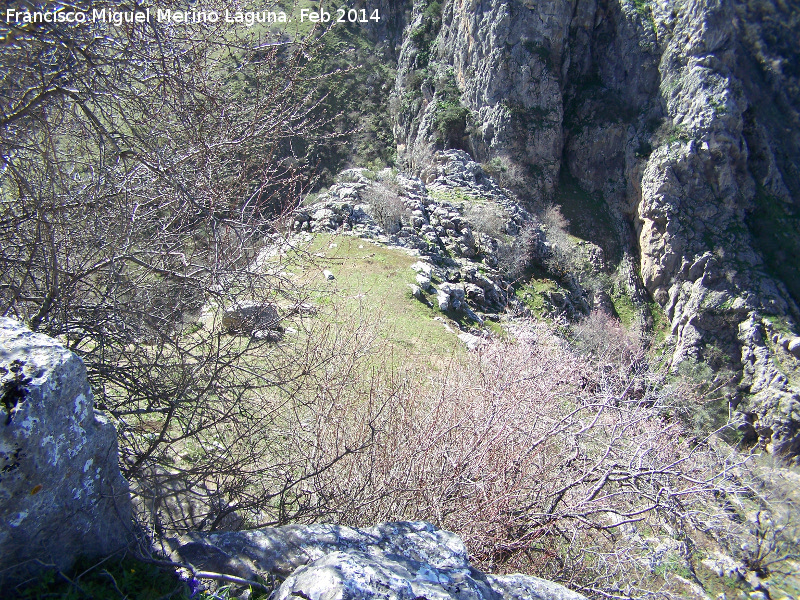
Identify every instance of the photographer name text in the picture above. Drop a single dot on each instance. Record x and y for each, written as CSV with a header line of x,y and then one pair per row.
x,y
243,18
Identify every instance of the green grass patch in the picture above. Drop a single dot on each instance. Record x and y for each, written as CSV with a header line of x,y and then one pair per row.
x,y
624,308
373,281
780,324
661,325
455,196
531,293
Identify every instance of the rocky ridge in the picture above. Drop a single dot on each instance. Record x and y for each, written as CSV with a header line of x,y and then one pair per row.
x,y
468,231
471,235
460,223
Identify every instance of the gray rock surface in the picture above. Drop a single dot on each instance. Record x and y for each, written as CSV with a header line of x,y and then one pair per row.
x,y
250,317
681,120
61,491
405,560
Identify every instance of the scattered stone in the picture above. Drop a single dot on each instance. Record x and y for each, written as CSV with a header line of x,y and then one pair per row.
x,y
794,346
444,322
724,566
473,342
269,335
416,292
424,282
422,267
443,300
306,308
328,275
455,296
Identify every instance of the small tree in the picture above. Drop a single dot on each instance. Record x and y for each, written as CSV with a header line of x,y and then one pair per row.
x,y
143,167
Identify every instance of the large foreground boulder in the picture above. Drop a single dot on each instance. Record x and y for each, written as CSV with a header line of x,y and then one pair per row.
x,y
61,492
394,561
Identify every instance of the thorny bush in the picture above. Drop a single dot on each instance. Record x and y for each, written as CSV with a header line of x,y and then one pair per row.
x,y
544,459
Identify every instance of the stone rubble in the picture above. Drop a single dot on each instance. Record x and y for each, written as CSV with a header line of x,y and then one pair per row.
x,y
457,223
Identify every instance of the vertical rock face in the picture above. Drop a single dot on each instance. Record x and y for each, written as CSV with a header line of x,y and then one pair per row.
x,y
505,58
683,117
61,492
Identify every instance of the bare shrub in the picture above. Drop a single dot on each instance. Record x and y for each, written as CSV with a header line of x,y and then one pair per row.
x,y
604,337
565,259
515,258
544,460
388,178
767,538
142,168
487,218
387,206
242,458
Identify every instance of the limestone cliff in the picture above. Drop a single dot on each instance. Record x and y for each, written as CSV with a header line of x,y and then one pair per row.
x,y
681,121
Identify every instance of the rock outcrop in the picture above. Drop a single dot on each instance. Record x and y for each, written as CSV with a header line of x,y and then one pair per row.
x,y
465,227
404,561
682,120
61,492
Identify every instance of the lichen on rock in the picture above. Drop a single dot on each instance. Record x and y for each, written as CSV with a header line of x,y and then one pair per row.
x,y
61,492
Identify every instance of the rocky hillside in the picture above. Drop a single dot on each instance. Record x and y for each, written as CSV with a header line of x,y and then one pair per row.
x,y
677,125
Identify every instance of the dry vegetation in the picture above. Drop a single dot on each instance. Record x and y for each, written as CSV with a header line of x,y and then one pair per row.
x,y
543,459
387,207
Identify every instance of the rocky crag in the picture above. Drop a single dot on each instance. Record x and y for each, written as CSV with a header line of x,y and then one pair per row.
x,y
681,122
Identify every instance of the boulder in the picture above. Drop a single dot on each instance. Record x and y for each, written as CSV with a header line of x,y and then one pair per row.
x,y
248,316
416,292
450,297
422,267
443,300
472,342
424,282
61,492
475,294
